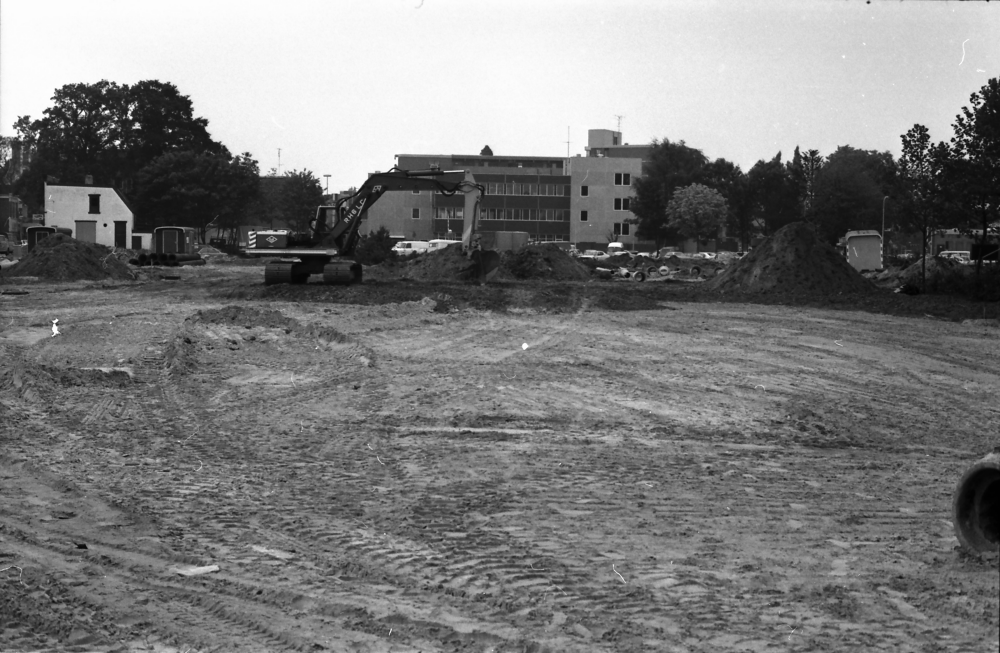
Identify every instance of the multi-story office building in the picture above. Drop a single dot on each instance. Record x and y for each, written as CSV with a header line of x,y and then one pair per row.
x,y
579,200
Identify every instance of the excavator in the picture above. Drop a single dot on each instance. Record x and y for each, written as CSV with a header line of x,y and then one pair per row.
x,y
329,247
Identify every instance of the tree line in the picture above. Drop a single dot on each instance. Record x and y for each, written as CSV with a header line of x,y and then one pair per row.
x,y
145,140
950,184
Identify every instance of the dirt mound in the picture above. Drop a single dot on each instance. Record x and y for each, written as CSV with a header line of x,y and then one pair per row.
x,y
792,261
448,264
244,316
62,258
543,261
937,270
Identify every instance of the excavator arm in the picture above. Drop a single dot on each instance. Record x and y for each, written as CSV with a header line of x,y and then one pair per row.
x,y
342,232
335,231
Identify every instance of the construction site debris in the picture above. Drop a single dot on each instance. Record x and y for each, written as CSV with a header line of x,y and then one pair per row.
x,y
793,261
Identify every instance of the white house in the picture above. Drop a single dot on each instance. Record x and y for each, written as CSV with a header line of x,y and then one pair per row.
x,y
96,214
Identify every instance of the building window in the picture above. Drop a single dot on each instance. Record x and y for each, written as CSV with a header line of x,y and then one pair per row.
x,y
622,203
584,191
95,203
621,228
415,192
583,215
416,214
623,179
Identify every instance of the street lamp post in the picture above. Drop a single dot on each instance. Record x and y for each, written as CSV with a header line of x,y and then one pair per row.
x,y
327,184
883,229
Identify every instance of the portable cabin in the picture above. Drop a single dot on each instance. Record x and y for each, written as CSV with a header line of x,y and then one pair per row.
x,y
174,240
35,233
864,249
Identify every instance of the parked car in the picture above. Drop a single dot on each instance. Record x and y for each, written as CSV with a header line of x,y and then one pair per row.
x,y
965,258
594,255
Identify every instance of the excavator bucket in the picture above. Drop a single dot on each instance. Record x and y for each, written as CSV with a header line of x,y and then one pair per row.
x,y
484,264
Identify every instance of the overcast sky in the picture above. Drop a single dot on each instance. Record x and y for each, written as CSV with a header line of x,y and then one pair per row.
x,y
342,87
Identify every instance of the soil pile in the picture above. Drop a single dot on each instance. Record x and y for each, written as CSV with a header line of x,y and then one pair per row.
x,y
543,261
792,261
938,269
62,258
448,264
244,316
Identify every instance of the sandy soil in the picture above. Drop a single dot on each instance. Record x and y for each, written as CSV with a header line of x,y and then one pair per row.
x,y
528,472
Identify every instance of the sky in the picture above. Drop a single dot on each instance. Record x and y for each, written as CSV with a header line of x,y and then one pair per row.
x,y
341,87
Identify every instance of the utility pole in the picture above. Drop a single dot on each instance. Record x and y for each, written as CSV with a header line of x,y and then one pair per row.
x,y
327,184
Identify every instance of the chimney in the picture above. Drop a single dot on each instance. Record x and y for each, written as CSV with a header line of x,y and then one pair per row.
x,y
89,180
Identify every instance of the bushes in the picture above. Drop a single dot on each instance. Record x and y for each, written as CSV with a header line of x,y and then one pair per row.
x,y
375,248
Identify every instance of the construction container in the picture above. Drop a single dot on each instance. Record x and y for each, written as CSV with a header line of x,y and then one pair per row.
x,y
864,250
174,240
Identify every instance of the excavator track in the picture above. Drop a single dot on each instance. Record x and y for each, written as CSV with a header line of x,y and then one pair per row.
x,y
342,273
284,272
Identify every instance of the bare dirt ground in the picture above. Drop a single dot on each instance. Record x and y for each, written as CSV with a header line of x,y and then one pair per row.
x,y
206,464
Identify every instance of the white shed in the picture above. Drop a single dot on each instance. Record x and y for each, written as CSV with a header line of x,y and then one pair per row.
x,y
95,214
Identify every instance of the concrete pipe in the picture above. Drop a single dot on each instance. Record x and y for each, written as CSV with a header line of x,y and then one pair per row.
x,y
624,273
975,509
639,276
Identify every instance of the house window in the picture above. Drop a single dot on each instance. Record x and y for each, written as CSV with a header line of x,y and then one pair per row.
x,y
584,191
621,228
583,215
95,203
622,203
623,179
416,214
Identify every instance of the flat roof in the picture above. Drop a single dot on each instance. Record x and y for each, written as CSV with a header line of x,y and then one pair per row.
x,y
487,156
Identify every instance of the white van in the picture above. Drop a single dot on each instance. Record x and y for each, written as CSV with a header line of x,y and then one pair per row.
x,y
440,243
410,247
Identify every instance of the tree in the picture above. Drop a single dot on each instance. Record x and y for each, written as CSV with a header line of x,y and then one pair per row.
x,y
192,189
727,178
374,248
697,211
922,167
298,199
670,166
849,190
773,196
976,149
110,132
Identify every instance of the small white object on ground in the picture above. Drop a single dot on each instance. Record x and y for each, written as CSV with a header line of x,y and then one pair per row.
x,y
524,345
55,327
191,570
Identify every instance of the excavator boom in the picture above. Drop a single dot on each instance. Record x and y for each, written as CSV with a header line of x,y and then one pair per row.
x,y
335,230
